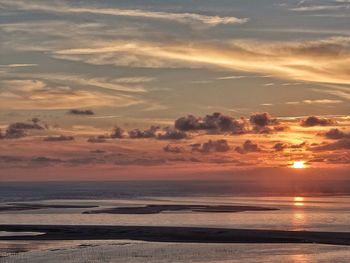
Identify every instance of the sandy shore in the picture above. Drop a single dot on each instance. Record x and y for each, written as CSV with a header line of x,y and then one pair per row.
x,y
174,234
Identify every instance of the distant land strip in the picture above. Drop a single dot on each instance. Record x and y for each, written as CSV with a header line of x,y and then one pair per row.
x,y
156,209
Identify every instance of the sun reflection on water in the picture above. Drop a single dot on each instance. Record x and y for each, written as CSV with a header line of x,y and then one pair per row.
x,y
298,201
299,218
300,258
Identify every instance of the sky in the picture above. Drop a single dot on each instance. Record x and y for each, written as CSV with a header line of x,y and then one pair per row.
x,y
276,72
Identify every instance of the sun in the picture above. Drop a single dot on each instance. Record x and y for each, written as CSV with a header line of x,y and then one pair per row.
x,y
298,164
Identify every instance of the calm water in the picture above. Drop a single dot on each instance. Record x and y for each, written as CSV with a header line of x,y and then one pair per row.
x,y
296,213
321,213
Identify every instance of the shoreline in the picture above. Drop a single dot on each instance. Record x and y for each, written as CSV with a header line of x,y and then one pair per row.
x,y
173,234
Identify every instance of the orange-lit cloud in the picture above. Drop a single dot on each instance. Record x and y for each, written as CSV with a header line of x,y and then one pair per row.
x,y
320,61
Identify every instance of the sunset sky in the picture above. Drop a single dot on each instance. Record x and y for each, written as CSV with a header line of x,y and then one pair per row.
x,y
276,72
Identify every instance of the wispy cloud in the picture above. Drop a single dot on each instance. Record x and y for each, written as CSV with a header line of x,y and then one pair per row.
x,y
323,101
36,94
177,17
18,65
126,85
325,60
319,8
335,90
311,102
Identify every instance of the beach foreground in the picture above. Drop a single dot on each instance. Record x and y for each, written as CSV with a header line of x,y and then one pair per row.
x,y
173,234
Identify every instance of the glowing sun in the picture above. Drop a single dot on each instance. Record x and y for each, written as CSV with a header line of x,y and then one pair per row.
x,y
299,165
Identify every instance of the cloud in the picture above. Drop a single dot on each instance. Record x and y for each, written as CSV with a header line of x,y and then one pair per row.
x,y
317,8
342,92
149,133
215,146
24,162
97,139
280,146
14,134
262,119
25,126
321,61
298,146
316,121
217,122
38,94
342,144
18,129
336,134
171,134
117,133
59,138
18,65
42,160
133,80
173,149
187,18
323,101
311,102
261,122
248,146
81,112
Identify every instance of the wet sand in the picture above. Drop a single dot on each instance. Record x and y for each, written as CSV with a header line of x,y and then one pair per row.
x,y
156,209
174,234
24,206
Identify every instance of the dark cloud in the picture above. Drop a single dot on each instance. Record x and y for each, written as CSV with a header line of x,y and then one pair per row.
x,y
248,146
141,161
149,133
173,149
262,119
22,161
217,122
342,144
117,133
214,122
14,133
25,126
262,129
196,147
215,146
281,128
9,159
172,134
316,121
336,134
280,146
340,160
81,112
59,138
97,139
18,129
42,160
98,151
298,146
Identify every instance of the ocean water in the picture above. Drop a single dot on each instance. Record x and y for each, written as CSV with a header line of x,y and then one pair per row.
x,y
309,212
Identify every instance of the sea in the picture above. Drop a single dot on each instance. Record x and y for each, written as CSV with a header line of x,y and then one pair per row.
x,y
312,211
